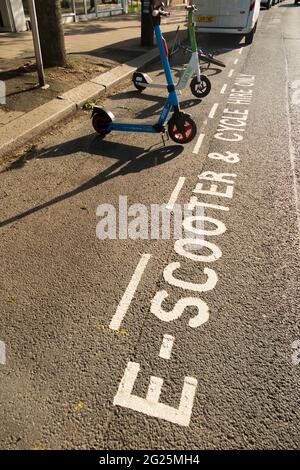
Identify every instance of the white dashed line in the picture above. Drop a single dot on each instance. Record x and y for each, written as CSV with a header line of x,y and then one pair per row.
x,y
292,149
175,193
166,347
2,353
241,50
224,87
236,61
231,73
213,111
129,293
198,143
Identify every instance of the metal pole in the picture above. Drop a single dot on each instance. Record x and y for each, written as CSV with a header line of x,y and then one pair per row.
x,y
147,37
96,8
10,16
74,8
125,6
85,8
36,42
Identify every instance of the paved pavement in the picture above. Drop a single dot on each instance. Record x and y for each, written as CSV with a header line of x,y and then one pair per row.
x,y
93,47
74,376
85,37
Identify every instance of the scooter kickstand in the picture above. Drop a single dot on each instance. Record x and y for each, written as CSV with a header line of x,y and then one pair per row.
x,y
165,137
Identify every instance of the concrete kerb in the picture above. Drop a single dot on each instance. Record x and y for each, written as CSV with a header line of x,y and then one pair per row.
x,y
20,131
30,125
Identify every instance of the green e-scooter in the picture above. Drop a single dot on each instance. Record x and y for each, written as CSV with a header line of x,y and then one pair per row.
x,y
200,85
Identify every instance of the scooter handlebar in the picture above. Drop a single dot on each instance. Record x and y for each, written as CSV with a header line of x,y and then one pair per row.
x,y
191,8
160,12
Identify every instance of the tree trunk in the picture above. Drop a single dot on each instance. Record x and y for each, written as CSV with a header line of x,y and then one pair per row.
x,y
51,33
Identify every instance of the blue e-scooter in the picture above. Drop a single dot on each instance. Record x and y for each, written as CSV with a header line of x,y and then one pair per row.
x,y
181,127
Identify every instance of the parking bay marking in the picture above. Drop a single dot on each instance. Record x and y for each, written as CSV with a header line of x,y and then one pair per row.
x,y
292,149
213,111
198,143
175,193
129,293
224,87
2,353
151,405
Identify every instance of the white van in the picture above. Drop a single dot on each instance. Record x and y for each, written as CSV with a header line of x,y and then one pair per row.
x,y
228,16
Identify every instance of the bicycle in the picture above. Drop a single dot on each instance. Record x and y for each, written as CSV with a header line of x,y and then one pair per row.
x,y
207,58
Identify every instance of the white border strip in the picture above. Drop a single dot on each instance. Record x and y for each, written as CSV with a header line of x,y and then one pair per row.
x,y
2,352
292,150
129,293
198,143
213,111
175,193
224,87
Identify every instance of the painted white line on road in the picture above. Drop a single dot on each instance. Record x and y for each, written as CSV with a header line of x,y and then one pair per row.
x,y
241,50
2,353
175,193
154,389
198,143
213,111
292,150
296,94
236,61
223,89
129,293
231,73
151,405
166,347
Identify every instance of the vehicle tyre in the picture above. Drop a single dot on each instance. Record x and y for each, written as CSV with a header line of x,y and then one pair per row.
x,y
189,126
249,37
202,89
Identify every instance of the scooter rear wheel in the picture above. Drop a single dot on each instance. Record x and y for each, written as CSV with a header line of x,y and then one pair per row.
x,y
202,89
100,124
190,130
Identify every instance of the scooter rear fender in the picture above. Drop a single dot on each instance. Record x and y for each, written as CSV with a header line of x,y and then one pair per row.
x,y
106,114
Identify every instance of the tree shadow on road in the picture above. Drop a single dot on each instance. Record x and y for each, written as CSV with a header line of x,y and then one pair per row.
x,y
130,159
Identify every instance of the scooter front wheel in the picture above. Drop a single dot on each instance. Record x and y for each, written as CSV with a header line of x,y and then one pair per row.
x,y
202,89
101,124
188,129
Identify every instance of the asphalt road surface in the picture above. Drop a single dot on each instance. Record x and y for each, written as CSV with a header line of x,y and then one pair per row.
x,y
108,344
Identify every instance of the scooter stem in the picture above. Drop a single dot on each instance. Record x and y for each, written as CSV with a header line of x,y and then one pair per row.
x,y
191,28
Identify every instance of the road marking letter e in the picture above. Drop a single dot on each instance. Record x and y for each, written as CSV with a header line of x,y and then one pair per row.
x,y
151,405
